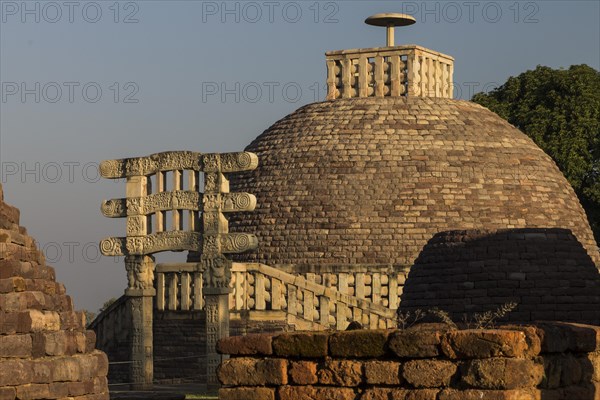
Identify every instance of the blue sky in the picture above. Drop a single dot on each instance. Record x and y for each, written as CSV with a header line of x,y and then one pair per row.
x,y
87,81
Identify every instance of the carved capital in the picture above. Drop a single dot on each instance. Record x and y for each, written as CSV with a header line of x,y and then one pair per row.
x,y
140,272
217,271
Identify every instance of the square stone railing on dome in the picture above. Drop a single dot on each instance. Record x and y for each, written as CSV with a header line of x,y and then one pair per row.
x,y
389,71
197,224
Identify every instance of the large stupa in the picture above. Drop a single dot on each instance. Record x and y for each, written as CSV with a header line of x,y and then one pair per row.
x,y
390,160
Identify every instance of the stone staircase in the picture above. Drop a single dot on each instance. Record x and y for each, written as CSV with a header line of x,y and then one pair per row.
x,y
307,304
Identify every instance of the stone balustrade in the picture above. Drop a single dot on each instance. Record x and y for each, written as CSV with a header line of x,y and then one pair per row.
x,y
327,300
389,71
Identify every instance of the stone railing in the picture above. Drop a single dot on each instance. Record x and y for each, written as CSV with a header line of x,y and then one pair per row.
x,y
260,287
551,360
327,300
179,287
389,71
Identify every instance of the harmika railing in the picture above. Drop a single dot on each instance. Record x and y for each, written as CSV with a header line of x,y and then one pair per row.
x,y
389,71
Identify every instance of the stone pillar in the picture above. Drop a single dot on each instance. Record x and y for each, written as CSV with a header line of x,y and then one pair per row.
x,y
216,267
217,327
140,275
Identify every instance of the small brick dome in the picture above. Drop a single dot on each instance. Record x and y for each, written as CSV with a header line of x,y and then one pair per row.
x,y
546,272
371,180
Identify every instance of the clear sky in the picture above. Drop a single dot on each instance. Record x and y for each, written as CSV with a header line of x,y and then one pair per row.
x,y
87,81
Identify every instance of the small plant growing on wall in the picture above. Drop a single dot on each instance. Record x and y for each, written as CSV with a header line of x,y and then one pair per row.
x,y
485,320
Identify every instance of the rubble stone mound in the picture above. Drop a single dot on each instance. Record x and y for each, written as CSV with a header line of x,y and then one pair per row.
x,y
45,350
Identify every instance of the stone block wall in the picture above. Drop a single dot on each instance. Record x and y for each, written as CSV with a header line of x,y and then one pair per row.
x,y
45,350
430,362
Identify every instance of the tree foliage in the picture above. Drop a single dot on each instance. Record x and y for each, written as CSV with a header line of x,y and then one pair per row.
x,y
560,110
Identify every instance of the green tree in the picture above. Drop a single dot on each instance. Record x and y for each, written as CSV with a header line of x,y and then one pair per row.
x,y
560,110
107,304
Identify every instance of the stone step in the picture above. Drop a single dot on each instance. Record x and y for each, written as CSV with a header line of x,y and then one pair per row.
x,y
9,215
29,321
25,269
20,284
33,300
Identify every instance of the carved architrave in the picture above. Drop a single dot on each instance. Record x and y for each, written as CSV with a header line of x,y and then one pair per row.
x,y
211,162
164,201
154,243
144,166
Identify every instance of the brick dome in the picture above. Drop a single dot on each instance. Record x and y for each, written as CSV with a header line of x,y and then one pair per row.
x,y
545,272
371,180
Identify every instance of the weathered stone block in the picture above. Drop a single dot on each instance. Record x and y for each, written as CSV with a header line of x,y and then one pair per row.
x,y
8,323
58,390
415,343
66,369
58,343
102,362
428,373
15,346
312,393
532,337
33,391
8,393
78,388
246,345
72,320
303,372
358,343
413,394
502,373
484,344
340,373
247,393
301,344
42,371
15,372
37,321
13,284
478,394
376,393
241,371
90,341
382,373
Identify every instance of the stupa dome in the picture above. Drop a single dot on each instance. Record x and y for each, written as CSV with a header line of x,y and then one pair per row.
x,y
369,180
390,160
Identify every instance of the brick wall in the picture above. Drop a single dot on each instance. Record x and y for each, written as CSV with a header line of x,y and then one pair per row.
x,y
429,362
179,346
547,272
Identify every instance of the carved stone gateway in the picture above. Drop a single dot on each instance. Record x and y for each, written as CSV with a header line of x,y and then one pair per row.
x,y
204,232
